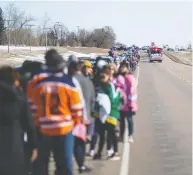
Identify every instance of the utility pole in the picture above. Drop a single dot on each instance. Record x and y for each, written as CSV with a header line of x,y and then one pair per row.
x,y
59,25
46,36
78,27
30,26
8,31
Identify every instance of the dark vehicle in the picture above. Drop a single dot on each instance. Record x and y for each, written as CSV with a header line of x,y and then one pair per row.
x,y
119,48
145,48
182,49
93,61
170,49
122,48
113,48
108,59
82,59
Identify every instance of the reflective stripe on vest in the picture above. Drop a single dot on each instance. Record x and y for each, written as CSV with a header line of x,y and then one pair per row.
x,y
111,120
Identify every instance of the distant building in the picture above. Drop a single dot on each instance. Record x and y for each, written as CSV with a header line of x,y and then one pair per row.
x,y
177,48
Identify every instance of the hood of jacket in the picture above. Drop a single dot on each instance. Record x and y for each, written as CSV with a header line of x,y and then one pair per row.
x,y
8,92
10,100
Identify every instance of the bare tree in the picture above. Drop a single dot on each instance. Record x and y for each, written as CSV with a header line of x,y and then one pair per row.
x,y
85,37
190,46
20,19
63,35
56,33
45,24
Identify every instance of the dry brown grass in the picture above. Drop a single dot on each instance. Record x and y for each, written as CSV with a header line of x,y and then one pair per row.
x,y
180,57
88,50
187,55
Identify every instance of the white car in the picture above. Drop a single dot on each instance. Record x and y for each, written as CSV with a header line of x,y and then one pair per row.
x,y
155,55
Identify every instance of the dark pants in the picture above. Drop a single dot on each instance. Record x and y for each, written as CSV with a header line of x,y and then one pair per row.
x,y
79,151
111,137
91,127
95,135
31,168
62,148
129,116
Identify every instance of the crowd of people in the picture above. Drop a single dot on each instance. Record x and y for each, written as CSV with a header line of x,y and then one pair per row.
x,y
131,55
59,107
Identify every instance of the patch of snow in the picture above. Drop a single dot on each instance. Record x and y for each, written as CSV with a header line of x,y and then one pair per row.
x,y
40,57
66,55
5,48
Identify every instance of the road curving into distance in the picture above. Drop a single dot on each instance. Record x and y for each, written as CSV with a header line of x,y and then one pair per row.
x,y
163,127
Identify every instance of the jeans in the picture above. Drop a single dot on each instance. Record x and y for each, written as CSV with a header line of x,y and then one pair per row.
x,y
62,148
111,137
79,151
129,116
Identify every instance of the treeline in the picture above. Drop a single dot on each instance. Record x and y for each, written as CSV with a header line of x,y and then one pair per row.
x,y
21,32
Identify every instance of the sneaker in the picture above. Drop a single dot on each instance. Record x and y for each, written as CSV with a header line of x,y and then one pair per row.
x,y
110,152
120,139
90,153
115,156
85,169
88,140
97,157
131,139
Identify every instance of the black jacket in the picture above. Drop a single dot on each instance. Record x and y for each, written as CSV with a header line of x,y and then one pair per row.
x,y
15,119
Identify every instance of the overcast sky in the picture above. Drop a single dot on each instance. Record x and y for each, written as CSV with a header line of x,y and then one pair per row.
x,y
133,22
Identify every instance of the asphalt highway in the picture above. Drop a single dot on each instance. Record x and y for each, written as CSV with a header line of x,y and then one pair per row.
x,y
162,127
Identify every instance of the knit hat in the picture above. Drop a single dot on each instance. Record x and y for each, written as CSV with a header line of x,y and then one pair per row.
x,y
74,62
87,63
124,64
54,60
72,59
101,63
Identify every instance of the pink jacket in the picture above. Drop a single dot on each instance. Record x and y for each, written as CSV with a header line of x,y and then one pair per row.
x,y
127,86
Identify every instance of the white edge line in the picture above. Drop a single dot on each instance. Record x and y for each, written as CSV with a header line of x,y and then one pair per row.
x,y
181,78
137,78
124,170
125,156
